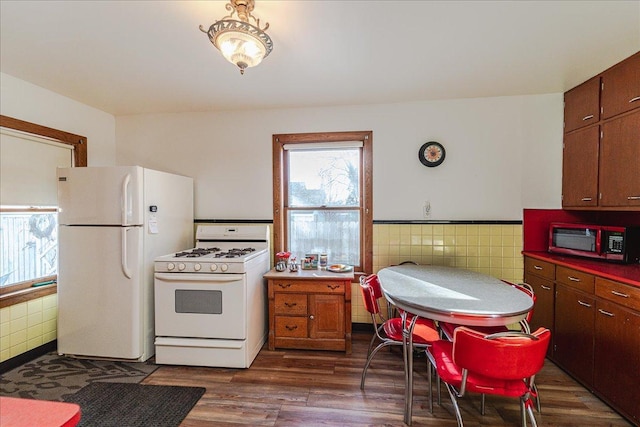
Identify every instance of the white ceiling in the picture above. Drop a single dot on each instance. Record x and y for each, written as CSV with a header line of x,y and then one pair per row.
x,y
131,57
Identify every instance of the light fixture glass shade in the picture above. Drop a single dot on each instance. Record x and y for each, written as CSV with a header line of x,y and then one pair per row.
x,y
242,49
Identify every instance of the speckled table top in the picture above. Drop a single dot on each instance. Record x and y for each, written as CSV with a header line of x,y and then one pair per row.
x,y
454,295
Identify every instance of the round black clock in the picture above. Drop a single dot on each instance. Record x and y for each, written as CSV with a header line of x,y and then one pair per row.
x,y
431,154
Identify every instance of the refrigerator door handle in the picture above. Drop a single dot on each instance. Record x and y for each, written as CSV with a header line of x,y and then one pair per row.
x,y
124,203
125,264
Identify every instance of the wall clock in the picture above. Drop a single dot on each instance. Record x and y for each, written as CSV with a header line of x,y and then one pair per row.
x,y
431,154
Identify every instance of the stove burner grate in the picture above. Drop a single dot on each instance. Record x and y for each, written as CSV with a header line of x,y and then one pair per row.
x,y
197,252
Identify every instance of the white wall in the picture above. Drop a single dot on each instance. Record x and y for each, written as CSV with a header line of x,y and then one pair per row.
x,y
503,154
25,101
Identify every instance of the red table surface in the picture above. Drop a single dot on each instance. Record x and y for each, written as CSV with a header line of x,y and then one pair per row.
x,y
16,412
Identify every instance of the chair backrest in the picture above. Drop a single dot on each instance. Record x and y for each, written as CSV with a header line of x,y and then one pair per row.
x,y
509,355
369,298
373,281
527,289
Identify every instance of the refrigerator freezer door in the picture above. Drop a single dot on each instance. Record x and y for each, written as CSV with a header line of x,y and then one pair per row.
x,y
101,292
100,196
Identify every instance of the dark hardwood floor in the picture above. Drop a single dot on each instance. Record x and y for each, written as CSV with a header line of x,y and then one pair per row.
x,y
319,388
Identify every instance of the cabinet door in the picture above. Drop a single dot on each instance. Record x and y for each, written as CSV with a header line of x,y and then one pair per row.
x,y
575,317
544,290
617,372
620,162
543,310
326,316
582,105
580,168
621,87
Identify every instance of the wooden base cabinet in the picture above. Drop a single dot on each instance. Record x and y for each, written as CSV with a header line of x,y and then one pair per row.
x,y
617,350
595,327
309,310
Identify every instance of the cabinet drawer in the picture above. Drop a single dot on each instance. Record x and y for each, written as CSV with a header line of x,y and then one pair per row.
x,y
575,279
316,286
291,304
620,293
293,327
540,268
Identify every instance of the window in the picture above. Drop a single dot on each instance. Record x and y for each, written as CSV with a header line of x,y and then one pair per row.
x,y
322,196
28,234
28,245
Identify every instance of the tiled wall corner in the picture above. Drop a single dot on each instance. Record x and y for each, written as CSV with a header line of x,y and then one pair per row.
x,y
27,325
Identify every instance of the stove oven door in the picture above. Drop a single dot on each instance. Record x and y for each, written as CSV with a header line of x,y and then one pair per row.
x,y
200,305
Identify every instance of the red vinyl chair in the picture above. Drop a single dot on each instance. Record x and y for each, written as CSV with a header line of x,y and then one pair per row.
x,y
389,331
449,328
503,364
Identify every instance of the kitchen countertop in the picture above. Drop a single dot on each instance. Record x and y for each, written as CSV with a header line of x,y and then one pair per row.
x,y
316,274
624,273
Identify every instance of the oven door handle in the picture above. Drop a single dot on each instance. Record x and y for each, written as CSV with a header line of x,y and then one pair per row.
x,y
195,277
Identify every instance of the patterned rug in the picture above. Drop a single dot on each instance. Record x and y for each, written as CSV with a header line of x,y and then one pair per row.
x,y
53,377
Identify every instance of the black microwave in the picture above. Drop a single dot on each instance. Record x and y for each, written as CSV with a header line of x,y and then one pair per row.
x,y
610,243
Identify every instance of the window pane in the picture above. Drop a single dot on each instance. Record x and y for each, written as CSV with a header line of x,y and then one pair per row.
x,y
336,233
324,177
28,246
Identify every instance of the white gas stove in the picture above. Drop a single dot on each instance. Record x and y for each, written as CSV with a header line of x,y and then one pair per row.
x,y
210,301
219,249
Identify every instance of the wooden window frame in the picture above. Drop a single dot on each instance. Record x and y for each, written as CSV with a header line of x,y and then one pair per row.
x,y
24,291
280,178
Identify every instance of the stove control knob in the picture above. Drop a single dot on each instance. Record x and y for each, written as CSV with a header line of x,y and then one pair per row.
x,y
214,267
197,267
171,266
224,267
181,266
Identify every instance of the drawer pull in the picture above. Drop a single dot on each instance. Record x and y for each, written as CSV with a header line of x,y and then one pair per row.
x,y
291,328
620,294
333,287
590,116
606,313
584,304
633,198
637,98
290,304
284,286
587,199
573,279
546,288
537,267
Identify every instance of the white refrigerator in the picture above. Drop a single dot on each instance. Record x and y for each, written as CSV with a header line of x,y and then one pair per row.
x,y
113,222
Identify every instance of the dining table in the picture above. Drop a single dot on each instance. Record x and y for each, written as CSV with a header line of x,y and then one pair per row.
x,y
448,294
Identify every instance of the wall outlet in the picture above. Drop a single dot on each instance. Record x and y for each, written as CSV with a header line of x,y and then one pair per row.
x,y
426,209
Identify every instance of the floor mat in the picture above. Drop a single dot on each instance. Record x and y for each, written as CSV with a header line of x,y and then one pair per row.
x,y
52,377
132,405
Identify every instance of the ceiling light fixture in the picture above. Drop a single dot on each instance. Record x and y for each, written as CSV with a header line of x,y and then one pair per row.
x,y
240,42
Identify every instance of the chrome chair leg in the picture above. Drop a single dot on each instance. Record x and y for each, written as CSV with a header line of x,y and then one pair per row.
x,y
482,400
523,413
452,394
531,416
369,359
429,374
